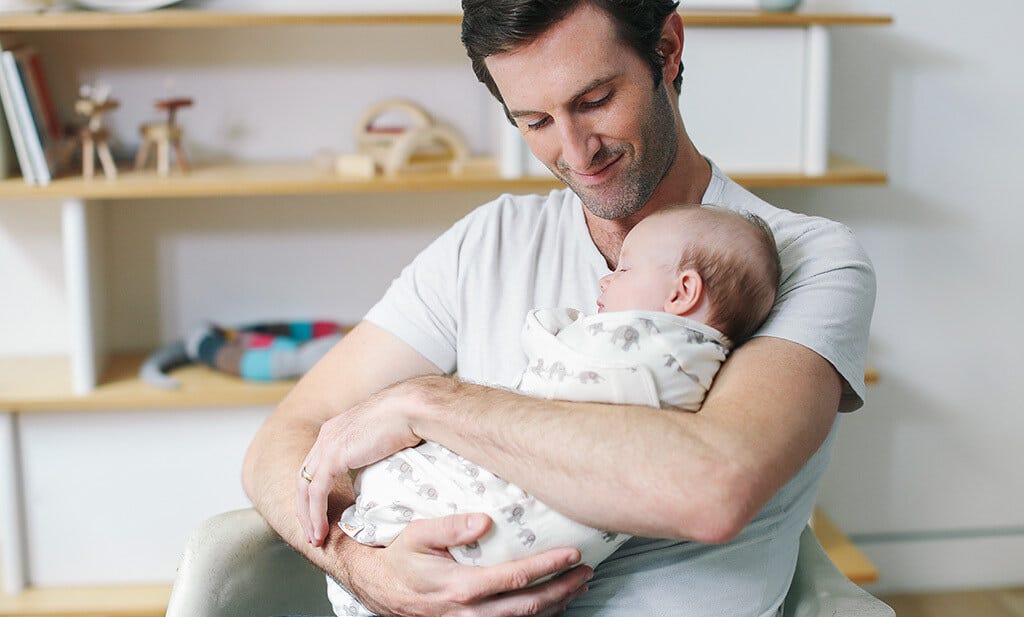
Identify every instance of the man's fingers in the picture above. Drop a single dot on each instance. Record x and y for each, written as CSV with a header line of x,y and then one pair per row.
x,y
302,506
441,533
548,598
319,489
302,483
518,574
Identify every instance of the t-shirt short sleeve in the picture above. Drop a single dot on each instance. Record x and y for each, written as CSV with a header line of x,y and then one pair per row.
x,y
825,299
420,305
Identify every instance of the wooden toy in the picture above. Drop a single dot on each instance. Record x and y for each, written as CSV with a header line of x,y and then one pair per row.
x,y
349,165
163,135
93,136
420,143
423,144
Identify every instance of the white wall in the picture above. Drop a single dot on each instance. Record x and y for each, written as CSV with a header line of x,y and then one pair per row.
x,y
926,475
929,474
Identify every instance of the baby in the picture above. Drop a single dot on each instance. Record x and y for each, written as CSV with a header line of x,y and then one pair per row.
x,y
691,282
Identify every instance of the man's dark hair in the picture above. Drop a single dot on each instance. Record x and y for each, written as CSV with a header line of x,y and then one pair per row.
x,y
492,27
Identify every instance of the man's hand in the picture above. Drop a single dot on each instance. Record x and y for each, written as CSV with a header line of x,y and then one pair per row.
x,y
416,576
364,434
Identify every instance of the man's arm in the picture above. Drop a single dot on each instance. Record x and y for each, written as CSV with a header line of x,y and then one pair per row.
x,y
645,471
414,574
366,360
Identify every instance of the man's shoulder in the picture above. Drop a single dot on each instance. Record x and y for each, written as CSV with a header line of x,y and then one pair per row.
x,y
793,229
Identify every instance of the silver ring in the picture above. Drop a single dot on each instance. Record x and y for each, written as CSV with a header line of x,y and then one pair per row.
x,y
308,477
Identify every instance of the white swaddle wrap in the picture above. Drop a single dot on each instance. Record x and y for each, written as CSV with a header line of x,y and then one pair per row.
x,y
626,357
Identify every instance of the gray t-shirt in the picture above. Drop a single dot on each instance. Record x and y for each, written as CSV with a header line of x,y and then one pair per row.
x,y
461,304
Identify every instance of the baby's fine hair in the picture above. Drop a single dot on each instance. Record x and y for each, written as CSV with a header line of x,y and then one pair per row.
x,y
738,262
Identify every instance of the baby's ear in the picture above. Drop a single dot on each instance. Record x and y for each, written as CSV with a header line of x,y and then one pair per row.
x,y
687,293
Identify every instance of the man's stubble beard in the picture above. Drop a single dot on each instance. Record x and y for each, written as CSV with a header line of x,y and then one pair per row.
x,y
637,184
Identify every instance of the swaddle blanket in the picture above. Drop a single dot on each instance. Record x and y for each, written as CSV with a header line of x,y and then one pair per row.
x,y
627,357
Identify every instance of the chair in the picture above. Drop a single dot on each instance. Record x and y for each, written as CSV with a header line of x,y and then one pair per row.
x,y
234,565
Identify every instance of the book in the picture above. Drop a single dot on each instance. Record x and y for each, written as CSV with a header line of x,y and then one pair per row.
x,y
27,125
57,148
14,121
6,147
43,109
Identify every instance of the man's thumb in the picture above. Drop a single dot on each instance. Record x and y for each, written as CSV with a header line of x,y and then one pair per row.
x,y
453,530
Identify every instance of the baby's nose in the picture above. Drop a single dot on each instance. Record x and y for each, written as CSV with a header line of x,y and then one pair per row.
x,y
603,283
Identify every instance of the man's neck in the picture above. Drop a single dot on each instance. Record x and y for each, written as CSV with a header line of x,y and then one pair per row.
x,y
685,183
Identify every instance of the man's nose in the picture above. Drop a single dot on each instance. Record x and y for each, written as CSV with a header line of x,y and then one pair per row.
x,y
579,145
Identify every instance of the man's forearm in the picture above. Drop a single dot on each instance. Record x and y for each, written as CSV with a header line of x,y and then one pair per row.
x,y
578,458
269,479
647,471
366,360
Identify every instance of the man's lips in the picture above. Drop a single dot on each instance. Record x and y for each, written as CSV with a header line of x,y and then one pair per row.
x,y
600,175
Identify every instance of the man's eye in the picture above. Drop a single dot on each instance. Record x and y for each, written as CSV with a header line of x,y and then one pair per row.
x,y
599,102
536,124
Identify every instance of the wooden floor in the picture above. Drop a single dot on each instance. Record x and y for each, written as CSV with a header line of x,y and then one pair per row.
x,y
983,603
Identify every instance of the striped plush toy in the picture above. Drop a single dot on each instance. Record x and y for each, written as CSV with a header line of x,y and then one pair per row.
x,y
257,352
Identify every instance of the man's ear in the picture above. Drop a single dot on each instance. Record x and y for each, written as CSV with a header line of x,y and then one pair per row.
x,y
670,46
687,295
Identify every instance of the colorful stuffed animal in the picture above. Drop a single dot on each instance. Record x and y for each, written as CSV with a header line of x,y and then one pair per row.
x,y
257,352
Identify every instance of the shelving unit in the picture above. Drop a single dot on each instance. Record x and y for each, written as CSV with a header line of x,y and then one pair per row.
x,y
91,381
239,178
300,178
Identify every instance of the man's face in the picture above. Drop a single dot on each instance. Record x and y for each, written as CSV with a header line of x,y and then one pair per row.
x,y
586,105
646,274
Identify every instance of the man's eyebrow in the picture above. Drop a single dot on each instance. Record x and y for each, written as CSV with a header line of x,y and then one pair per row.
x,y
596,83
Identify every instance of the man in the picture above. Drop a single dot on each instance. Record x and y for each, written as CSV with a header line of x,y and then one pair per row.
x,y
593,86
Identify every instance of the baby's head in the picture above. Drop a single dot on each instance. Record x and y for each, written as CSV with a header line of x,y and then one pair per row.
x,y
707,263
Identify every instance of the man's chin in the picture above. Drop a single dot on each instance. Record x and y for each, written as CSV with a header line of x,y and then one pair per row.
x,y
606,200
609,210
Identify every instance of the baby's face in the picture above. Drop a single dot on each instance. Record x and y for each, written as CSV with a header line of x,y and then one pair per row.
x,y
645,278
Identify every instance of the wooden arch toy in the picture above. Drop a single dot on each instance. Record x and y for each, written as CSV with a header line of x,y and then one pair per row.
x,y
425,143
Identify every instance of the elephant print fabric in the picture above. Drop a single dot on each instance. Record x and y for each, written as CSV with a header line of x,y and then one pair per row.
x,y
628,357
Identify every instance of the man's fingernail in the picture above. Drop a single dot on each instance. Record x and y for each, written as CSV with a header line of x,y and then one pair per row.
x,y
474,522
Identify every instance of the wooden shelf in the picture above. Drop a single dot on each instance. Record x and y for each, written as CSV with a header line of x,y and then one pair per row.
x,y
871,375
303,178
127,601
188,19
845,554
43,384
151,600
286,178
